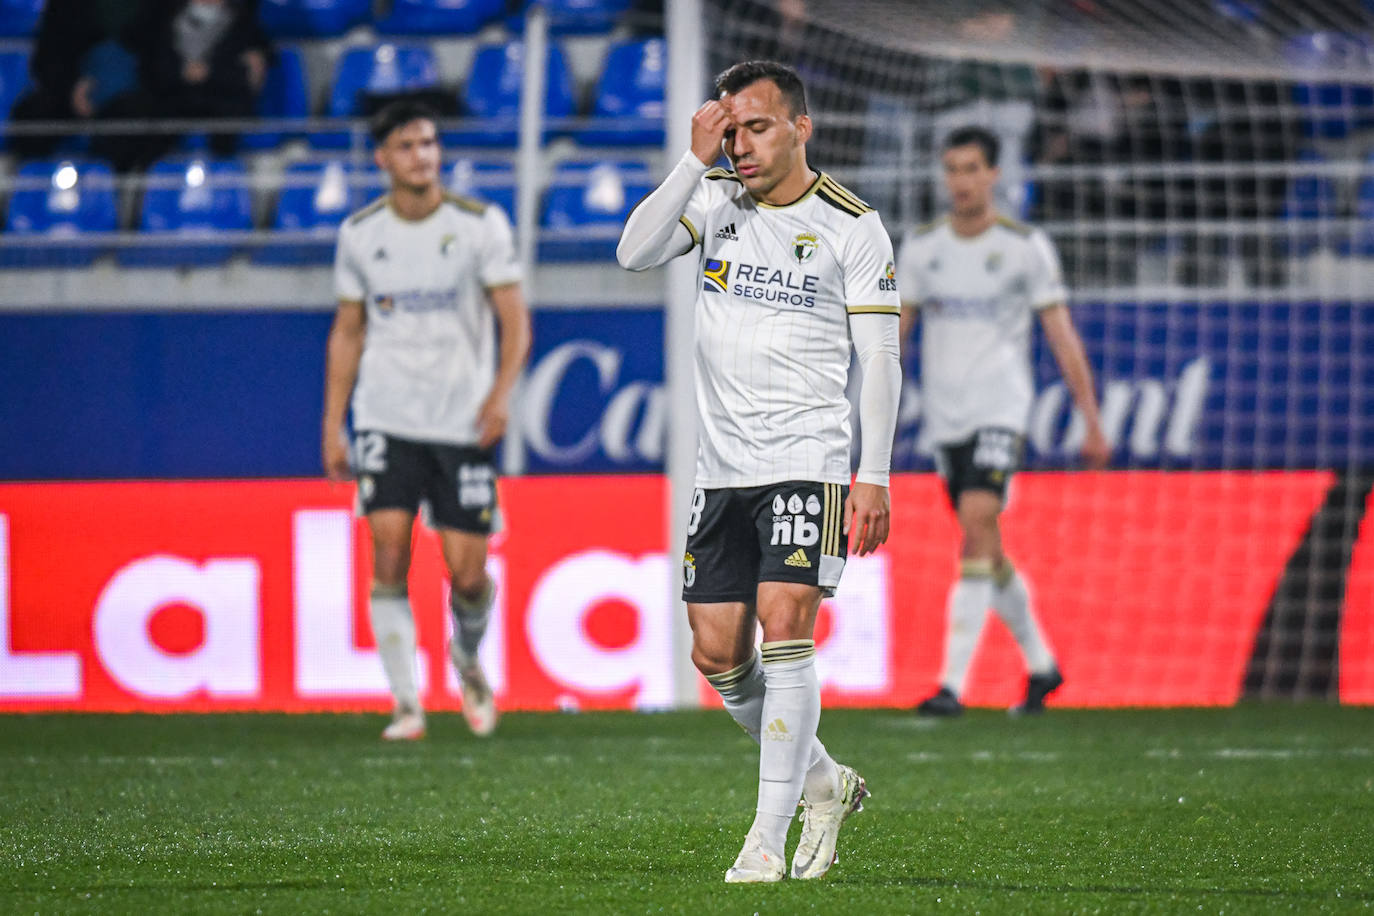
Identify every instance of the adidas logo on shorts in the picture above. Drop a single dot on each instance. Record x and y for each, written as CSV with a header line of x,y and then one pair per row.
x,y
798,558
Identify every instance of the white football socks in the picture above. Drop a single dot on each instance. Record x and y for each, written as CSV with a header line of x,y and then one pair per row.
x,y
393,627
1011,601
791,711
968,608
741,689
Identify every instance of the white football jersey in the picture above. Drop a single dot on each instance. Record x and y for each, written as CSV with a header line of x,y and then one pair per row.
x,y
772,327
976,297
429,356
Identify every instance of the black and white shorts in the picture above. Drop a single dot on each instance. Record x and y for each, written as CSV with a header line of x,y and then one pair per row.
x,y
984,461
782,532
454,484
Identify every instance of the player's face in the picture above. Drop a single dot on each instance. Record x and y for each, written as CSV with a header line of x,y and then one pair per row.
x,y
410,155
969,179
764,143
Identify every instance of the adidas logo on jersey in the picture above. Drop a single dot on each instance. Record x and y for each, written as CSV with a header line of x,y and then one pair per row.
x,y
777,731
798,558
727,233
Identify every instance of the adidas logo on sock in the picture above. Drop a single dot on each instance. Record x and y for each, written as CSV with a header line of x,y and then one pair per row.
x,y
727,233
798,558
777,731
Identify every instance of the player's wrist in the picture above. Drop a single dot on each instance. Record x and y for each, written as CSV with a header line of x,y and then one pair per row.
x,y
875,478
699,162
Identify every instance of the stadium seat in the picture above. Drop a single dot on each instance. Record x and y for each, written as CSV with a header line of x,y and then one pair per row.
x,y
1330,109
439,17
1311,200
383,68
574,17
59,200
631,89
312,18
19,18
315,197
14,79
492,94
1362,242
284,95
586,206
190,199
485,180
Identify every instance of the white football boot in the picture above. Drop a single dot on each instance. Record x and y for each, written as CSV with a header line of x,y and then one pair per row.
x,y
479,703
821,826
755,865
406,725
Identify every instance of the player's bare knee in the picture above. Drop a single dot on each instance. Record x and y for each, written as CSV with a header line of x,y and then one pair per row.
x,y
716,659
470,584
390,565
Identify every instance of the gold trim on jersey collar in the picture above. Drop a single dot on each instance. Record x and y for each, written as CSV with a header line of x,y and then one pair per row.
x,y
810,191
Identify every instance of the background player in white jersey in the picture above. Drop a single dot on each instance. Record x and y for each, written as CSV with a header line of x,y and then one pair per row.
x,y
976,278
423,278
795,270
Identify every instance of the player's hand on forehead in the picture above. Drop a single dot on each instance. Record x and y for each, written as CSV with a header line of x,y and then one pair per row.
x,y
709,126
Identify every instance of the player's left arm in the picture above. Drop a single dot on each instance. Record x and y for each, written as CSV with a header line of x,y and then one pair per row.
x,y
1049,295
1068,351
500,274
513,318
871,299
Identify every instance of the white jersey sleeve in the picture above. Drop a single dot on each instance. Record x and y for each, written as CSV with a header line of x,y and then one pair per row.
x,y
910,282
348,278
667,223
498,265
870,279
1046,277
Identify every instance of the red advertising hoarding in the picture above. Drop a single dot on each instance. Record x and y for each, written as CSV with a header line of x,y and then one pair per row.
x,y
251,595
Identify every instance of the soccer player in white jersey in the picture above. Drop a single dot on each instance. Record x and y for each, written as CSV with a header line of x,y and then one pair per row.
x,y
975,278
423,278
794,271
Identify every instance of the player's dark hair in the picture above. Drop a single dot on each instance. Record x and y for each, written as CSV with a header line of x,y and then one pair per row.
x,y
980,137
395,115
749,72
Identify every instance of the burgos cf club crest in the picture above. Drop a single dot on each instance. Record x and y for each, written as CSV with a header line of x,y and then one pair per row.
x,y
717,274
384,303
804,247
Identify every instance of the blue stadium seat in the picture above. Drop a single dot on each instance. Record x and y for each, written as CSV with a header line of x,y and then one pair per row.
x,y
315,197
586,206
1330,109
439,17
382,68
190,199
631,89
485,180
14,79
492,93
284,95
1362,244
574,17
1311,198
312,18
59,200
19,18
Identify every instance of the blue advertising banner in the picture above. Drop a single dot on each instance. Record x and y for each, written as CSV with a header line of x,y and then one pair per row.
x,y
159,395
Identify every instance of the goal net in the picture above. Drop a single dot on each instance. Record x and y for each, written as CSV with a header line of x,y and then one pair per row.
x,y
1205,172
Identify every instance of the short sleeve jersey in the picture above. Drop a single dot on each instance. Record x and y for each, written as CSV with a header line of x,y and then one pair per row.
x,y
429,355
778,284
976,297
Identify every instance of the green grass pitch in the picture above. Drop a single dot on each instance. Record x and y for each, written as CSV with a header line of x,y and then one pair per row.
x,y
1254,809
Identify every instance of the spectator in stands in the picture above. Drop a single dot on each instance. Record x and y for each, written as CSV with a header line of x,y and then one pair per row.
x,y
82,67
199,59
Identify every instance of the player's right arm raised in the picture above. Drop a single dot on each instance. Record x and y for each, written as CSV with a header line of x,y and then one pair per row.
x,y
657,230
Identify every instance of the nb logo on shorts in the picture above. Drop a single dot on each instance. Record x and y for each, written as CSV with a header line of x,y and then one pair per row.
x,y
798,558
790,522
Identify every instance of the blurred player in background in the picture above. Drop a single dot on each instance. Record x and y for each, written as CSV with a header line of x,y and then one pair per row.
x,y
975,277
795,268
423,278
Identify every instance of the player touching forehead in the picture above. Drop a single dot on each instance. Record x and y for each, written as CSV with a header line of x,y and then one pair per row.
x,y
761,120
